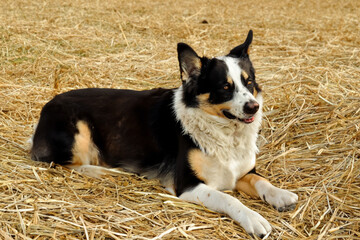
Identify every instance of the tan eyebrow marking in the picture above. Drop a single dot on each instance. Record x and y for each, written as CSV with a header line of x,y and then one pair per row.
x,y
229,80
255,92
245,75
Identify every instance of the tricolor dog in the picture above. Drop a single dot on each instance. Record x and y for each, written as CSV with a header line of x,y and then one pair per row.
x,y
198,139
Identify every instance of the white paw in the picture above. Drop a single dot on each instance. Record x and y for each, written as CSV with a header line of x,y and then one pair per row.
x,y
280,199
254,223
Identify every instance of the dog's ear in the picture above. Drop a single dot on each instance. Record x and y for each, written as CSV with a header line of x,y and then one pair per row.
x,y
243,49
189,61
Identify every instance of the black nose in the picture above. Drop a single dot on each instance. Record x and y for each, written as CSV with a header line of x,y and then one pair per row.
x,y
251,107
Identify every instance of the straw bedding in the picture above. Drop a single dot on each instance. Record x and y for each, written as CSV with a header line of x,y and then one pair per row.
x,y
307,58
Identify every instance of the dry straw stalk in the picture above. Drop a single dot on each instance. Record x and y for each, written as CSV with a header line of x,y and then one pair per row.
x,y
307,58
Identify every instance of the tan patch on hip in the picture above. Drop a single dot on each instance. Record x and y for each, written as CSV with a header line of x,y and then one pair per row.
x,y
84,150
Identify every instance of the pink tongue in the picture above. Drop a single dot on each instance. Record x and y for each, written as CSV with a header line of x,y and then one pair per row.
x,y
249,120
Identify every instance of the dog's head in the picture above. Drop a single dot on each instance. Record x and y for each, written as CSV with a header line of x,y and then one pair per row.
x,y
224,86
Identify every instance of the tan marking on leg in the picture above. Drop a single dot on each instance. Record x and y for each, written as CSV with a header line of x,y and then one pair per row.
x,y
197,163
84,150
246,184
212,109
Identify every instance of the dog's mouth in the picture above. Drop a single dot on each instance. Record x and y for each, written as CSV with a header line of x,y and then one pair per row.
x,y
232,117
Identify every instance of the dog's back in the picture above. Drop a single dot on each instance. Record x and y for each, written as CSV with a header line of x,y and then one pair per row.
x,y
134,130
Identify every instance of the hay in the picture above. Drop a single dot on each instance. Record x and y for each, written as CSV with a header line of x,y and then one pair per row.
x,y
307,58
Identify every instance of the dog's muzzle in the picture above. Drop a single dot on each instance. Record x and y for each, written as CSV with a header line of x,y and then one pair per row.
x,y
250,108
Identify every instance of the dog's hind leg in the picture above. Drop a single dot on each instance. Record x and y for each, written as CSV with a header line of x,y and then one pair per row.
x,y
85,154
257,186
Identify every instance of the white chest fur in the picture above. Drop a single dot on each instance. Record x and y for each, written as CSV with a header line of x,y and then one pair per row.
x,y
229,146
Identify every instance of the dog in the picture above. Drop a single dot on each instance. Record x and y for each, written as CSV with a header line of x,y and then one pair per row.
x,y
198,139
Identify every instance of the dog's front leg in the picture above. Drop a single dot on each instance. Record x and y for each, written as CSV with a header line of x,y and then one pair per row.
x,y
251,221
257,186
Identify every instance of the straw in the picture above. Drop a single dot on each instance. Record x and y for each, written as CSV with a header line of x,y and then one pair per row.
x,y
306,54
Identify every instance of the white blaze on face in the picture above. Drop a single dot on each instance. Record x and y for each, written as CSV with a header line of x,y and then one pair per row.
x,y
241,93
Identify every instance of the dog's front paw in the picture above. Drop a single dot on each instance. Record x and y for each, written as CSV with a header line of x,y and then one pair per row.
x,y
280,199
254,223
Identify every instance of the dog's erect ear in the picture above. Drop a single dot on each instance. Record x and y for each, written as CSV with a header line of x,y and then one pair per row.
x,y
189,61
243,49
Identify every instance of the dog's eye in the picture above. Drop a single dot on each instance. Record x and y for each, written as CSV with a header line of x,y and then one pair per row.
x,y
227,86
249,82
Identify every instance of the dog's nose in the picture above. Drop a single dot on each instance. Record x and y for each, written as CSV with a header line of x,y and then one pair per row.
x,y
251,107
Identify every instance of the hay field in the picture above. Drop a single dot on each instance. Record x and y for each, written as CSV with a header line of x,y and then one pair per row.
x,y
307,57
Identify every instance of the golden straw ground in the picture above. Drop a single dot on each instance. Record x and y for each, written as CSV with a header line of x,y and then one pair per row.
x,y
307,57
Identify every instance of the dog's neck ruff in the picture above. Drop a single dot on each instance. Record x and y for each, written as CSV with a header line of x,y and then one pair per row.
x,y
217,137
